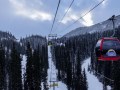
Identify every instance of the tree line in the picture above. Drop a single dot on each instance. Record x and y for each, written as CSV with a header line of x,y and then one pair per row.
x,y
69,56
35,75
109,69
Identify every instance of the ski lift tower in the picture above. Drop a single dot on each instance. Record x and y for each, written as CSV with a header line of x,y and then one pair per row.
x,y
50,38
113,22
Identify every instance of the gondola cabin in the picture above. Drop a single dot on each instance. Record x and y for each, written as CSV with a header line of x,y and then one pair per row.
x,y
108,49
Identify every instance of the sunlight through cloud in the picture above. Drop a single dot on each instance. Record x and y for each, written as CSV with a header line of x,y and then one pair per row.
x,y
88,20
71,17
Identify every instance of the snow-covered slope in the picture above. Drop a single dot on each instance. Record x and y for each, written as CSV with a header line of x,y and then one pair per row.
x,y
52,74
23,68
34,40
105,25
93,82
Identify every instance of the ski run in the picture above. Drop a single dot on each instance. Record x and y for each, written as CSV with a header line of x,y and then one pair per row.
x,y
52,75
93,82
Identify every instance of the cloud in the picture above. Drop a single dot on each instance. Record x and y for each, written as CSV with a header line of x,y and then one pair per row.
x,y
104,3
73,16
23,10
88,20
70,16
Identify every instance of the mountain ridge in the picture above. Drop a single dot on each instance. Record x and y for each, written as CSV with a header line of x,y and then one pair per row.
x,y
99,27
7,39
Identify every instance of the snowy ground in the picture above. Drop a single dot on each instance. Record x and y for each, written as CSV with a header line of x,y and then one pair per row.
x,y
93,82
23,66
52,74
61,86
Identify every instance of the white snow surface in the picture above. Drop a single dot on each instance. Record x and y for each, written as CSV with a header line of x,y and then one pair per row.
x,y
53,77
93,82
23,66
52,74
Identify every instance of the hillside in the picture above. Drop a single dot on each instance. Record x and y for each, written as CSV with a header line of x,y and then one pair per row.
x,y
34,40
103,26
7,39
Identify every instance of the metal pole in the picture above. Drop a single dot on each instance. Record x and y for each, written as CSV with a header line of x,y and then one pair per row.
x,y
113,19
53,85
113,22
113,27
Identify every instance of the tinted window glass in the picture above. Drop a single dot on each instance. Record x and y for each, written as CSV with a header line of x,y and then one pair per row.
x,y
111,44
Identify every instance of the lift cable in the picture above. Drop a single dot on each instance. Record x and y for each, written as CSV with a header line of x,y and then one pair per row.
x,y
50,34
81,17
55,16
67,10
104,76
65,13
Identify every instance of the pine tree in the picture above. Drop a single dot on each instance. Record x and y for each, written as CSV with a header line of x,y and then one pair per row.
x,y
116,76
85,81
28,84
79,77
69,72
69,75
2,68
44,66
37,70
15,68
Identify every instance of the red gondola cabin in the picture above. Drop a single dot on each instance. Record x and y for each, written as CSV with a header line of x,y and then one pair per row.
x,y
108,49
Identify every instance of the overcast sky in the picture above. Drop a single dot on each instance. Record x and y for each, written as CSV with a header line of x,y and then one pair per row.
x,y
25,17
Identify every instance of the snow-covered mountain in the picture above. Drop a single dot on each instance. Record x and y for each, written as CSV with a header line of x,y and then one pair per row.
x,y
7,39
34,40
103,26
6,35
